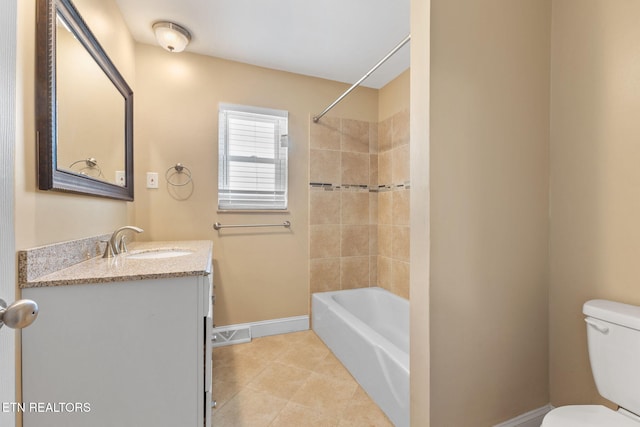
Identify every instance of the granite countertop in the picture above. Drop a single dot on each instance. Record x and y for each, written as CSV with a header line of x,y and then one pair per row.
x,y
122,268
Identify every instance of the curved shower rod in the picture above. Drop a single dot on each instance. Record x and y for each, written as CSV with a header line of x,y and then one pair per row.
x,y
356,84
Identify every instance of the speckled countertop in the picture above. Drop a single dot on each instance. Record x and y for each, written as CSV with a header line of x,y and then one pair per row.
x,y
122,268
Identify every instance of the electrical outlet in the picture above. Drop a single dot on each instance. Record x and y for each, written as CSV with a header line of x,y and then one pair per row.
x,y
152,179
120,179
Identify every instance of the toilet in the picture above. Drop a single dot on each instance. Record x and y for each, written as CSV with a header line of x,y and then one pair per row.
x,y
613,336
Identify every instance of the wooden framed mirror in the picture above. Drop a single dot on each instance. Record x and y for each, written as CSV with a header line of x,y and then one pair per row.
x,y
84,109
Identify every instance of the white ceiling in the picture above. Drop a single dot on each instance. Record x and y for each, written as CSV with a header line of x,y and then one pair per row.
x,y
333,39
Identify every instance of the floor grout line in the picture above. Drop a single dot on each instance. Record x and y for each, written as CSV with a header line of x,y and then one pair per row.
x,y
298,365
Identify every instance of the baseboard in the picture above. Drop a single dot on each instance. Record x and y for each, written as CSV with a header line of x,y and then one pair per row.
x,y
271,327
530,419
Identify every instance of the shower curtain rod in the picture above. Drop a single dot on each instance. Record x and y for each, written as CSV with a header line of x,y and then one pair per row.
x,y
356,84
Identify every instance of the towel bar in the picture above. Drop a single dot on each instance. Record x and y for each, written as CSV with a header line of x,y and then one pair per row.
x,y
218,226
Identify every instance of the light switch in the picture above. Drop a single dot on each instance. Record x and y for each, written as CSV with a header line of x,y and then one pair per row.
x,y
152,179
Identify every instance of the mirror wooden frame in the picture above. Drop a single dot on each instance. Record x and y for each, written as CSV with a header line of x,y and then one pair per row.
x,y
50,177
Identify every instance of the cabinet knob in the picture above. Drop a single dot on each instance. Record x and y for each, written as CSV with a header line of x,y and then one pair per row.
x,y
18,315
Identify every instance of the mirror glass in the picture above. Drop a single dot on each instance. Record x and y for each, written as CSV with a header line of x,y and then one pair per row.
x,y
90,134
84,109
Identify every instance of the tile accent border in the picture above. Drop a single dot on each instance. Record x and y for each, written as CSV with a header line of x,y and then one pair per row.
x,y
359,187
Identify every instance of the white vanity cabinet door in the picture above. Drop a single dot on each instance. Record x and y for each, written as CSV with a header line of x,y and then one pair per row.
x,y
129,353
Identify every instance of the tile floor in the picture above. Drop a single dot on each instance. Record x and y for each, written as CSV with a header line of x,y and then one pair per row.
x,y
290,380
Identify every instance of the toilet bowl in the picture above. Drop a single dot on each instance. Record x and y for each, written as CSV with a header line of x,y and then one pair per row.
x,y
613,336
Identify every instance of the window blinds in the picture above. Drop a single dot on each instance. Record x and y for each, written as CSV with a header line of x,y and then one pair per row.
x,y
253,158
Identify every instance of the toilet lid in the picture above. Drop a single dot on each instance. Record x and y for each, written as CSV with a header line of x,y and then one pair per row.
x,y
586,416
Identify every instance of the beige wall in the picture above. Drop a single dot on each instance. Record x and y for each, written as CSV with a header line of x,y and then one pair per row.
x,y
394,97
594,202
260,273
420,404
489,206
47,217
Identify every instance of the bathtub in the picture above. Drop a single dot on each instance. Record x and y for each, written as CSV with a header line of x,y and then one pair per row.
x,y
368,331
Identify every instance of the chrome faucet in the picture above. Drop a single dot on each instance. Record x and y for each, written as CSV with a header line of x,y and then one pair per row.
x,y
116,245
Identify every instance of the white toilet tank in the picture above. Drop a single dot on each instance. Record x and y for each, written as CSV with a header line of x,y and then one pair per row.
x,y
613,334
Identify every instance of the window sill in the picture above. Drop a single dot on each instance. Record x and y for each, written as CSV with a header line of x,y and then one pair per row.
x,y
249,211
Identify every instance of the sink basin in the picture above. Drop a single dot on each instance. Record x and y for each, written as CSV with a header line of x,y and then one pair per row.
x,y
159,253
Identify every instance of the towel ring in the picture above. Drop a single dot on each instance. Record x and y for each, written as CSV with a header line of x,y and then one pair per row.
x,y
90,163
178,169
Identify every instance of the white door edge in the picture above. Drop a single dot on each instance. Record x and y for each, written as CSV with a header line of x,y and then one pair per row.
x,y
8,42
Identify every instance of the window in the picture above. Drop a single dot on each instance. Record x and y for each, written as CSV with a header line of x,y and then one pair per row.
x,y
252,172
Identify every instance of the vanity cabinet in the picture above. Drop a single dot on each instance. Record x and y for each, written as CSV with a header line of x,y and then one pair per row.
x,y
130,353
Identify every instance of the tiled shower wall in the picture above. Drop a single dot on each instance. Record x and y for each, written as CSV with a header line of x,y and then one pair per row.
x,y
359,204
343,213
393,204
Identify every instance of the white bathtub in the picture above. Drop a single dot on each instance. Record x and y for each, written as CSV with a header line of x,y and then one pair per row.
x,y
368,330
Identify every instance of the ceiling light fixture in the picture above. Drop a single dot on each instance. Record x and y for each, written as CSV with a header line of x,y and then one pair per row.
x,y
171,36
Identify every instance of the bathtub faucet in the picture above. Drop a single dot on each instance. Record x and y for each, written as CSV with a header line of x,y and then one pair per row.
x,y
116,245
